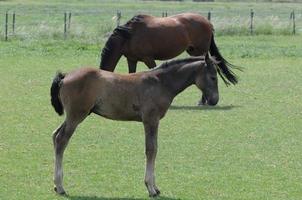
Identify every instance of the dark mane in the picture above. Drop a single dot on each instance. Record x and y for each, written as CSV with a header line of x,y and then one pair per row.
x,y
135,19
171,63
123,33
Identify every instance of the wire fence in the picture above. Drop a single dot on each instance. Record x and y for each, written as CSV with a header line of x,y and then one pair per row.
x,y
95,25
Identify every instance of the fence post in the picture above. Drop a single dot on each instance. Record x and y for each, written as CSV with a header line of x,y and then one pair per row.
x,y
14,22
69,20
118,17
209,15
294,22
252,22
6,25
65,25
165,14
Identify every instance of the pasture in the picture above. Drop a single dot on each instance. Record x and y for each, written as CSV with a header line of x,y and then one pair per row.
x,y
247,147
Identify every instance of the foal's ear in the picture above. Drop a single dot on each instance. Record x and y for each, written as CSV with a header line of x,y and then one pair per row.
x,y
212,59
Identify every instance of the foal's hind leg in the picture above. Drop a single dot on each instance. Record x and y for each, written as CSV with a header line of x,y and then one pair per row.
x,y
60,138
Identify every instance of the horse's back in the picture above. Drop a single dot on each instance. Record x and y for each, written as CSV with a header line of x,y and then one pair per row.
x,y
163,38
156,37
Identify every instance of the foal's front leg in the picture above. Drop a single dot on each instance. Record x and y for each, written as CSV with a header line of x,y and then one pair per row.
x,y
151,129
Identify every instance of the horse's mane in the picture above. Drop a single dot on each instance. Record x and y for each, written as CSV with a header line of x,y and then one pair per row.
x,y
135,19
123,32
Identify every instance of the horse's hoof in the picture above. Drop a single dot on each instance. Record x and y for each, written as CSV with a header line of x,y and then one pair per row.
x,y
60,192
201,104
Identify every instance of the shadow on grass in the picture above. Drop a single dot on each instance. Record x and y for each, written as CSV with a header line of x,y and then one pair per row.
x,y
114,198
206,107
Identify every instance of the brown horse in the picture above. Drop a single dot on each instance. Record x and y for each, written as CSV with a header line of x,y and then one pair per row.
x,y
143,97
146,38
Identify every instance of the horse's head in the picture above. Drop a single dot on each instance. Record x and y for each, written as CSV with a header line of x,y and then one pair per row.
x,y
206,81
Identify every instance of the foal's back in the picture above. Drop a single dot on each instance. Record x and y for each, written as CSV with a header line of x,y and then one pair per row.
x,y
111,95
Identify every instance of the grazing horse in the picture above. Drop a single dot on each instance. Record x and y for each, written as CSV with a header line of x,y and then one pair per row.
x,y
143,97
146,38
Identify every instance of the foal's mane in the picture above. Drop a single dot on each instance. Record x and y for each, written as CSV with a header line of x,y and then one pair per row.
x,y
178,62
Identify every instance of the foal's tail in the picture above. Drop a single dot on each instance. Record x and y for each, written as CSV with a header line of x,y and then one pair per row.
x,y
227,75
54,93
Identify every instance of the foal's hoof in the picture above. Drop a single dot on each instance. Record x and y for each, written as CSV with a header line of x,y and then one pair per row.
x,y
157,191
59,191
156,194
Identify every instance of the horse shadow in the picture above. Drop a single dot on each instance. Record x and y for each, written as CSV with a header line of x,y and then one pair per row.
x,y
115,198
205,107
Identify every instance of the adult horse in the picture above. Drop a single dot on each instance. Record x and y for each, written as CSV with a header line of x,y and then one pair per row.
x,y
146,38
143,97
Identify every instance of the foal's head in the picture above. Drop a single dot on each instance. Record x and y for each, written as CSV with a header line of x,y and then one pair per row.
x,y
206,81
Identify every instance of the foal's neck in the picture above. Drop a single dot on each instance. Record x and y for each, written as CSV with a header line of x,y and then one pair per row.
x,y
176,79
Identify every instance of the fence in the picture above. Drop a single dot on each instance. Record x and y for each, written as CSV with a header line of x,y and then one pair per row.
x,y
94,25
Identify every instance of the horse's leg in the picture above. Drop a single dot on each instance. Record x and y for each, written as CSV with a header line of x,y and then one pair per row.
x,y
60,138
150,63
202,101
131,65
151,129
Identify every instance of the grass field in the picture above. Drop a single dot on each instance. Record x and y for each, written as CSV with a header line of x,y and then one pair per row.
x,y
247,147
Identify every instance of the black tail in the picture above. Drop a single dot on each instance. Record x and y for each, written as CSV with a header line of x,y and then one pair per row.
x,y
227,75
54,93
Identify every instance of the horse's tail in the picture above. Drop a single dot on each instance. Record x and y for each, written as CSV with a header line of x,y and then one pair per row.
x,y
54,93
227,75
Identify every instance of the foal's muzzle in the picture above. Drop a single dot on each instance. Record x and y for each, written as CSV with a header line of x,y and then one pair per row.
x,y
213,99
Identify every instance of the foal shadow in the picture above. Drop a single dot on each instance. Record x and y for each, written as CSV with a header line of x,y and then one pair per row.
x,y
114,198
204,107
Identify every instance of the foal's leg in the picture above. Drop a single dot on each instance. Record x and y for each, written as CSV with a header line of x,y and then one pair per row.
x,y
131,65
151,129
60,138
60,142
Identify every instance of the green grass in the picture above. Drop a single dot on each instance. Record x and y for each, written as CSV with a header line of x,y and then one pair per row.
x,y
247,147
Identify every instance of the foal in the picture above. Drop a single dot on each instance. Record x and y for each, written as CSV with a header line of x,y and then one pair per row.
x,y
143,97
